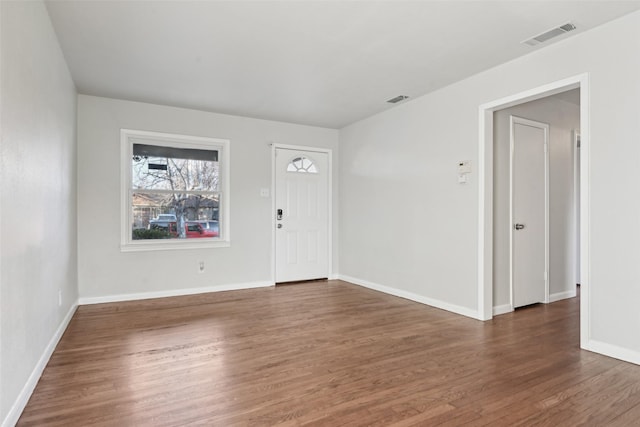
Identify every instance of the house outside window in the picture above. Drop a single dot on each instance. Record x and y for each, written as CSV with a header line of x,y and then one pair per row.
x,y
175,191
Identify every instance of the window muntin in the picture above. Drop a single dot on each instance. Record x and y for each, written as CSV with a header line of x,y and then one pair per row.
x,y
175,188
303,165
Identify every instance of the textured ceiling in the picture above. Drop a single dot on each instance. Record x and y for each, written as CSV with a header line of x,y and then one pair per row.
x,y
318,63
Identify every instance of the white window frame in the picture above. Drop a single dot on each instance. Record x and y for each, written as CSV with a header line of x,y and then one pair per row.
x,y
128,137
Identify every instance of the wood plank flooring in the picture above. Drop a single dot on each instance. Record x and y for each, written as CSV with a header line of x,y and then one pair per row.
x,y
326,354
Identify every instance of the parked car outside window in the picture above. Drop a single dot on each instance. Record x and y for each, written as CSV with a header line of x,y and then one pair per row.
x,y
159,225
165,217
193,229
162,221
210,225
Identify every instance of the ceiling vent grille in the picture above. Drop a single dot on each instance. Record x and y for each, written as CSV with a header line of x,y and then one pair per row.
x,y
549,34
398,99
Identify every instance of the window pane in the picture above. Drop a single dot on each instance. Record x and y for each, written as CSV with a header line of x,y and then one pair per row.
x,y
176,169
302,165
175,216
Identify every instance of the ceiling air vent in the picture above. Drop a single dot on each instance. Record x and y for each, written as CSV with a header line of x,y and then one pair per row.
x,y
398,99
549,34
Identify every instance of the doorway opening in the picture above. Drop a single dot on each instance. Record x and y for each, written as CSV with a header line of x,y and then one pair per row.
x,y
491,262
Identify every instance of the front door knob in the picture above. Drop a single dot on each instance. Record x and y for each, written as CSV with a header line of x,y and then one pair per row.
x,y
519,226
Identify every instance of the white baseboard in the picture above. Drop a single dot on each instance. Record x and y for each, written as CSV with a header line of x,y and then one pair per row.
x,y
614,351
23,398
507,308
502,309
411,296
172,293
562,295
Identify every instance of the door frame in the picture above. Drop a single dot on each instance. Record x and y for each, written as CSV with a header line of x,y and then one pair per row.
x,y
576,205
513,120
485,190
328,152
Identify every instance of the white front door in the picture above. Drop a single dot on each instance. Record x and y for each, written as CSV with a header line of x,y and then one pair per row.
x,y
529,197
302,215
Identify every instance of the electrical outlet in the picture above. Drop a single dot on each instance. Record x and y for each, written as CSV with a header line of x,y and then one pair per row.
x,y
59,297
201,267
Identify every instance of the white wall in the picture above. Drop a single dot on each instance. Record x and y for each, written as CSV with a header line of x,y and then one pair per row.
x,y
562,117
407,224
38,199
106,272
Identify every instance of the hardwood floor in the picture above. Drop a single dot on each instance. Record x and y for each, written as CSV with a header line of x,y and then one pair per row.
x,y
326,353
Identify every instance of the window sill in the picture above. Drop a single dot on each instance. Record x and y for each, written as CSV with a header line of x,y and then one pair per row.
x,y
173,245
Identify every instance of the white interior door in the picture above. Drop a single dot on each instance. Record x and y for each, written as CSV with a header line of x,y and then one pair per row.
x,y
529,197
302,215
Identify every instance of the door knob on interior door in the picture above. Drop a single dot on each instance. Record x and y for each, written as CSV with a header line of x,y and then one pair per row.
x,y
518,226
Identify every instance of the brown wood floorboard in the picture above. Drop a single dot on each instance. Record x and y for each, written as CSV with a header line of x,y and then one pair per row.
x,y
326,354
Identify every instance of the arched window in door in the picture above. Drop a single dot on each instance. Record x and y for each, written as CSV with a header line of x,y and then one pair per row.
x,y
303,165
